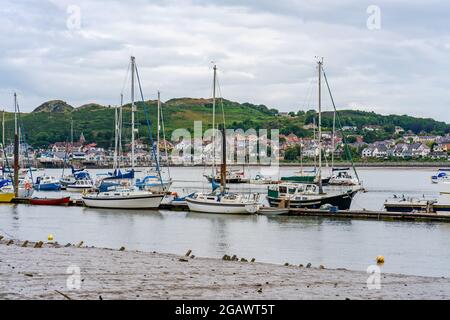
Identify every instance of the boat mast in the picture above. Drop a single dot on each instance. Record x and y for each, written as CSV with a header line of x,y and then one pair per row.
x,y
319,175
158,126
3,138
16,150
133,110
223,165
333,142
115,137
213,175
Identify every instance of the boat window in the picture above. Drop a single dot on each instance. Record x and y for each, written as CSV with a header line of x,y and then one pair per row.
x,y
283,189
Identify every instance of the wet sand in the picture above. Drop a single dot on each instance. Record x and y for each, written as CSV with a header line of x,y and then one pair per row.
x,y
41,273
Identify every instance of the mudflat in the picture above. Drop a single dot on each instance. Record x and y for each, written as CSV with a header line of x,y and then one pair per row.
x,y
51,272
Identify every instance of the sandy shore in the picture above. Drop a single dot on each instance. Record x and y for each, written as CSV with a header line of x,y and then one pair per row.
x,y
38,273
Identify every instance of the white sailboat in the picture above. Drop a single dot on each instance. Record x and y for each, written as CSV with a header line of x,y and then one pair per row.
x,y
125,197
220,200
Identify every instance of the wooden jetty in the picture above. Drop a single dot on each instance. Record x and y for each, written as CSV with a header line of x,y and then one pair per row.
x,y
301,212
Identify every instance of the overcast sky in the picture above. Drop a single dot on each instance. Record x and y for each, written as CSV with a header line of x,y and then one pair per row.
x,y
264,50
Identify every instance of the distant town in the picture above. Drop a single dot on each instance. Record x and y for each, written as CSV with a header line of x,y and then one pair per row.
x,y
292,149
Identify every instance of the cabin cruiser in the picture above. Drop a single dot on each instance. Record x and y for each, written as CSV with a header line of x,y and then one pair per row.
x,y
47,183
443,175
306,195
341,177
72,178
81,185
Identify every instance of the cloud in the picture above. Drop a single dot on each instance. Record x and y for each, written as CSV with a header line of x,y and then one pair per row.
x,y
264,50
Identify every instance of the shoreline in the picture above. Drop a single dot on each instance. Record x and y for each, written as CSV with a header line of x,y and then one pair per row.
x,y
41,273
400,164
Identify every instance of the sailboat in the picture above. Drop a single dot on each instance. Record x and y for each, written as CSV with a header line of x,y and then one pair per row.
x,y
220,200
309,195
15,187
117,195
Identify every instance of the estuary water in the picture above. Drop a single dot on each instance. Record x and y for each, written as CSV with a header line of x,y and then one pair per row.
x,y
417,248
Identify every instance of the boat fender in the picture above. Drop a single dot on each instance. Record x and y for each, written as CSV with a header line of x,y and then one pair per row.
x,y
380,259
27,186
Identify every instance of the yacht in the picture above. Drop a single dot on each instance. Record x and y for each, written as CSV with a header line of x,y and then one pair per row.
x,y
123,198
220,200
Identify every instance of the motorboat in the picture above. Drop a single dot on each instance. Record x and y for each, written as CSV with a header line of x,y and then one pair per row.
x,y
342,177
80,185
305,195
442,175
47,183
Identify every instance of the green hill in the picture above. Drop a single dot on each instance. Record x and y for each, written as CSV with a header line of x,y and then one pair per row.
x,y
50,122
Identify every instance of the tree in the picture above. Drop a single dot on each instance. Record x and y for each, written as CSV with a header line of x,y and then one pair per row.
x,y
292,153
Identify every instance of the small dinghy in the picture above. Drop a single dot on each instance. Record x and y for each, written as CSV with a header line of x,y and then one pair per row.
x,y
50,201
273,211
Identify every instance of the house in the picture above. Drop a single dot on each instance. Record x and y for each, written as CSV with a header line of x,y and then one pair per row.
x,y
438,155
427,139
380,151
411,137
367,152
349,128
419,149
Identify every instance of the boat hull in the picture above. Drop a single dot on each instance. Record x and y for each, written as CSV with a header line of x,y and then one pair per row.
x,y
6,197
221,208
342,201
48,187
124,202
50,202
230,180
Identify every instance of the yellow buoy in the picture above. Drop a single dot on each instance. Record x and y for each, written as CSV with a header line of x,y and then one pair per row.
x,y
50,237
380,259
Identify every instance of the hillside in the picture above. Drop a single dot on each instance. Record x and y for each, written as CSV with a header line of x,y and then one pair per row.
x,y
50,122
